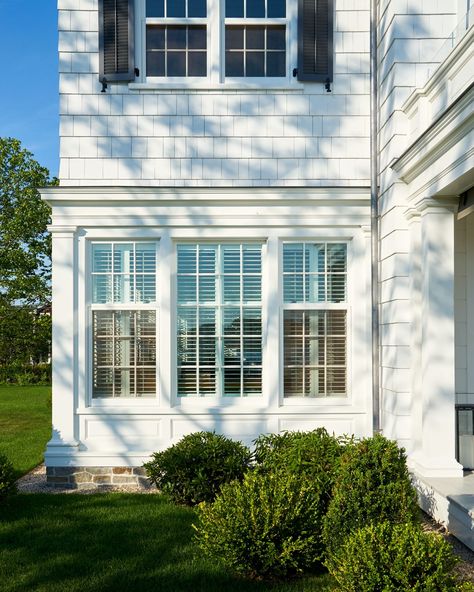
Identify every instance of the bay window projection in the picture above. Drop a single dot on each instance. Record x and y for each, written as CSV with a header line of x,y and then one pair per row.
x,y
176,38
123,320
219,320
315,319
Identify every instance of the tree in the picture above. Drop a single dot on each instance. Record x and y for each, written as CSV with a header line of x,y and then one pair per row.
x,y
25,254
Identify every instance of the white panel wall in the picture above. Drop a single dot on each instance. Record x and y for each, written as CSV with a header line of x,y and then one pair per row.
x,y
297,136
410,34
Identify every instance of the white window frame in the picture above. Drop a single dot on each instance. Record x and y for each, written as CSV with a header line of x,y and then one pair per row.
x,y
116,306
323,306
216,22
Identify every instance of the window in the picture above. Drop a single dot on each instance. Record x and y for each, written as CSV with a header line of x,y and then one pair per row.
x,y
219,320
178,38
315,319
123,320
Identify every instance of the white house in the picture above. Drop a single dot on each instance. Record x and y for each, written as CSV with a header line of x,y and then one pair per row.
x,y
213,231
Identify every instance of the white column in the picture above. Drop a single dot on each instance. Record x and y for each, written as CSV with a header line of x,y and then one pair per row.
x,y
64,346
433,355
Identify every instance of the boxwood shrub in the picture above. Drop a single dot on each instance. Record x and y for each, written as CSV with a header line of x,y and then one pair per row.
x,y
267,526
372,485
194,469
394,558
7,478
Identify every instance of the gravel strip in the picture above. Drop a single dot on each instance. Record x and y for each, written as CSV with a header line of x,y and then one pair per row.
x,y
35,482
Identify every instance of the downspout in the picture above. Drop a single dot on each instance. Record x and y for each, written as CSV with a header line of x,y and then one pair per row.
x,y
374,220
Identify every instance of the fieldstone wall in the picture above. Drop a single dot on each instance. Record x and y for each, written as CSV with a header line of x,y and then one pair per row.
x,y
97,478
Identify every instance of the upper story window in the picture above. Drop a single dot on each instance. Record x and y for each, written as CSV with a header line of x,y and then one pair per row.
x,y
200,38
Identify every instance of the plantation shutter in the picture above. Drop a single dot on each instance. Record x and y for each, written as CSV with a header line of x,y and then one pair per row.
x,y
315,40
116,40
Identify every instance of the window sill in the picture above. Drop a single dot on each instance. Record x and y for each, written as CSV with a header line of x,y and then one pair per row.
x,y
224,86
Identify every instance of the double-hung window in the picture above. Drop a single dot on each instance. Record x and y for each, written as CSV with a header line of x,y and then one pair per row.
x,y
315,314
219,320
251,39
123,319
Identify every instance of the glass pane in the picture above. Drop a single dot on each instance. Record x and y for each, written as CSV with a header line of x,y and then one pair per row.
x,y
101,289
187,351
155,63
146,352
336,351
293,322
187,258
276,38
315,258
187,321
146,382
231,352
124,383
255,63
197,63
207,289
232,382
337,256
234,37
293,258
252,381
155,8
207,259
315,288
336,322
103,384
103,352
252,321
336,382
197,8
124,352
123,288
155,37
231,285
175,8
252,352
276,8
207,321
231,321
197,38
124,325
234,64
123,258
176,37
207,351
186,289
314,353
102,258
234,8
252,288
314,323
255,37
252,259
103,323
276,63
293,288
146,322
293,351
336,288
187,383
145,258
207,381
145,290
231,256
293,382
255,9
314,382
465,422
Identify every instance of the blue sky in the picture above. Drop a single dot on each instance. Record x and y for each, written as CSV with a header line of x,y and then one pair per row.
x,y
29,80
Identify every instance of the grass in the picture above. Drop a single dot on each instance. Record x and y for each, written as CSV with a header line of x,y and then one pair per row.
x,y
113,542
25,424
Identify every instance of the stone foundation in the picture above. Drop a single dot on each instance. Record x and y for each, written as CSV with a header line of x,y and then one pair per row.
x,y
101,478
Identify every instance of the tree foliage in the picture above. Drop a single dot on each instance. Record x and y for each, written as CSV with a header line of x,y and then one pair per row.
x,y
25,254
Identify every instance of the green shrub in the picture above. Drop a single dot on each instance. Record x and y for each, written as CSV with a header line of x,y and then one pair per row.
x,y
25,374
194,469
267,526
372,485
7,477
394,558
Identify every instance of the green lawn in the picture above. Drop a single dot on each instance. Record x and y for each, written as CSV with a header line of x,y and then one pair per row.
x,y
25,424
112,542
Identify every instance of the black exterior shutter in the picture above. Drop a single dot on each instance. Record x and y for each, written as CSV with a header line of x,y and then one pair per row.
x,y
315,40
116,40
